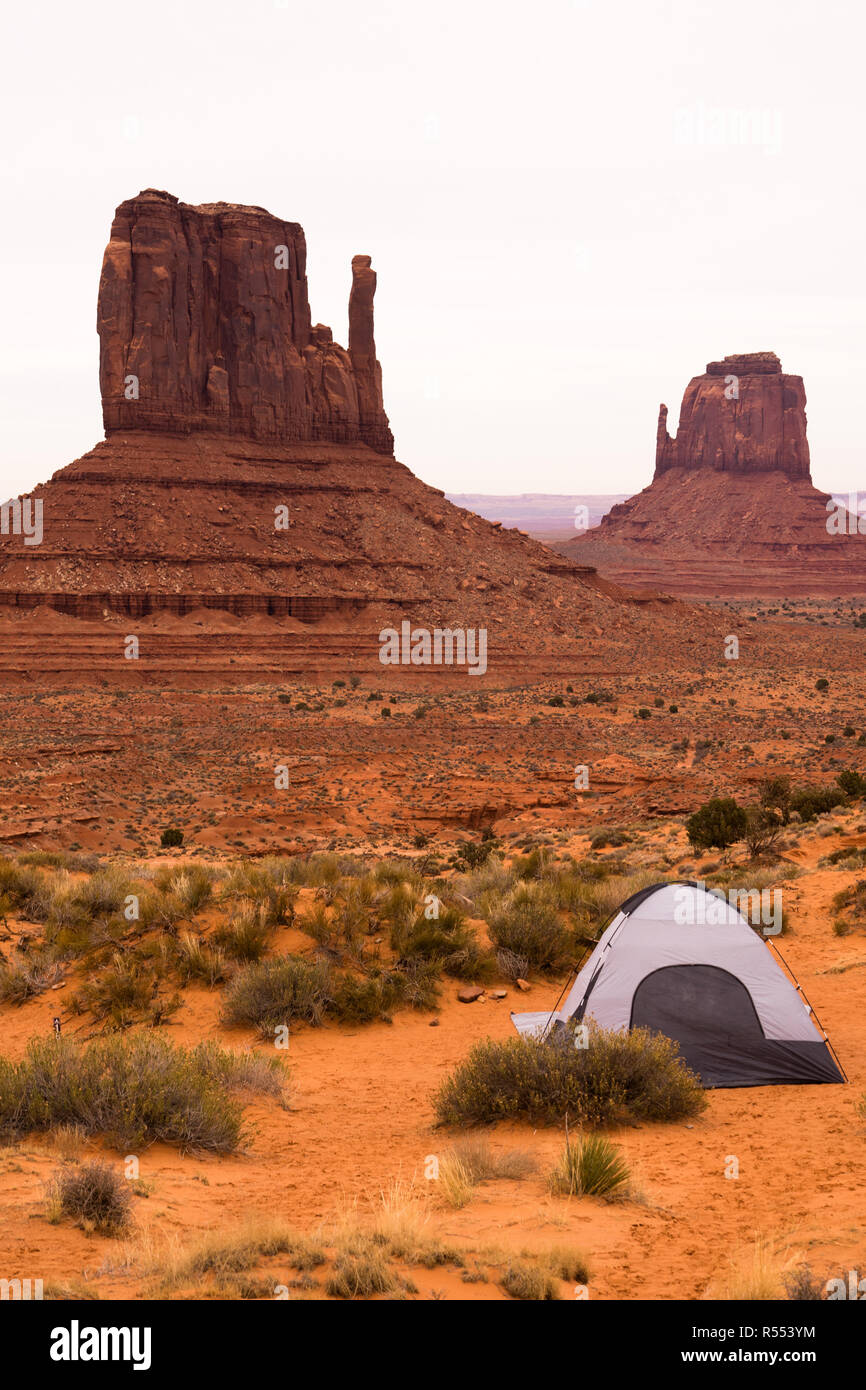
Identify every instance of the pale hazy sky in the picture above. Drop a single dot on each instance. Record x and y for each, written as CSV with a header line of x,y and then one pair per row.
x,y
572,206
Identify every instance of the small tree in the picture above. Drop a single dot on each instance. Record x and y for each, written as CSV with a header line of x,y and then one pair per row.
x,y
775,795
717,824
852,783
763,828
171,838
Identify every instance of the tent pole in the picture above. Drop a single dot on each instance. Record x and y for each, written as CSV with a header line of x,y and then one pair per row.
x,y
801,991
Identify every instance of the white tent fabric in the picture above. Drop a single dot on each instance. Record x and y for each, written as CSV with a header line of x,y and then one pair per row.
x,y
680,926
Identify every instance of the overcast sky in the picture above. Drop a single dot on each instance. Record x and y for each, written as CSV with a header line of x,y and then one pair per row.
x,y
571,206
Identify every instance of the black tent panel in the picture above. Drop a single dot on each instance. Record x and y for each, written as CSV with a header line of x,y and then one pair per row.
x,y
712,1016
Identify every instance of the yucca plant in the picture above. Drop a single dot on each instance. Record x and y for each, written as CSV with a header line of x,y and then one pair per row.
x,y
590,1166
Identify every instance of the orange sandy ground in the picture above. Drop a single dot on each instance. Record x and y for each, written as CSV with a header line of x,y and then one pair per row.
x,y
361,1116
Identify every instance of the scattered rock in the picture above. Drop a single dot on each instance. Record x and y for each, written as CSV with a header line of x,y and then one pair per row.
x,y
469,994
523,985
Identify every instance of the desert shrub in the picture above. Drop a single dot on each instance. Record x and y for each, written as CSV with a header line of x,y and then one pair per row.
x,y
274,993
222,1253
25,976
125,993
763,828
133,1090
512,966
17,884
528,924
93,1195
476,853
590,1166
774,793
171,838
104,893
571,1265
609,839
246,935
525,1281
852,783
472,1161
191,885
801,1285
317,924
446,940
533,865
196,961
637,1075
852,902
360,1274
419,984
396,907
270,885
717,824
809,802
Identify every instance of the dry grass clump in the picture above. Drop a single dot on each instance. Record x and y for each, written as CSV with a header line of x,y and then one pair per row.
x,y
125,993
572,1266
756,1272
638,1075
93,1195
471,1162
196,961
527,923
25,976
219,1255
524,1281
360,1273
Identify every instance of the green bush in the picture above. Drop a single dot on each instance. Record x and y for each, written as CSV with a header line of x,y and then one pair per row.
x,y
527,924
774,794
852,783
132,1090
446,940
638,1075
277,992
717,824
171,838
810,802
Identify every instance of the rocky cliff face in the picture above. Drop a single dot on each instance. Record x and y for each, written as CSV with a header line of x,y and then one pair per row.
x,y
204,324
744,415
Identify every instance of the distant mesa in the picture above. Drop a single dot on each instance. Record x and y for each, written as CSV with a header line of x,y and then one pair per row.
x,y
731,510
744,415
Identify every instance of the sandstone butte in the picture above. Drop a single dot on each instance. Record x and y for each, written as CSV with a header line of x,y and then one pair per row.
x,y
224,406
731,510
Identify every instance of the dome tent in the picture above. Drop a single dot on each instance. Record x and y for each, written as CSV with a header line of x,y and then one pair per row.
x,y
684,962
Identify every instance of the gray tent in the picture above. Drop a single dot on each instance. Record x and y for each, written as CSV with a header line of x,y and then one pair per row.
x,y
684,962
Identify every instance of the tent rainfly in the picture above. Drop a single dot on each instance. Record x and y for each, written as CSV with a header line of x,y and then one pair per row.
x,y
685,962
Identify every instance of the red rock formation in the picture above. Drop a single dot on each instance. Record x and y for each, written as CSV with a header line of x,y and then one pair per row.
x,y
744,415
204,324
731,510
247,478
